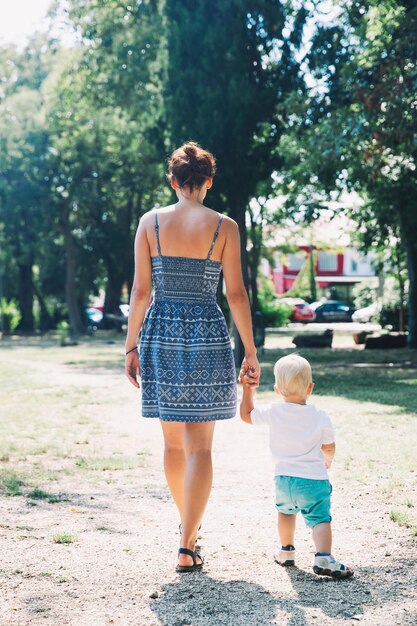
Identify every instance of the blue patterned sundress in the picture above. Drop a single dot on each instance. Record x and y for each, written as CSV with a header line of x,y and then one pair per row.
x,y
187,367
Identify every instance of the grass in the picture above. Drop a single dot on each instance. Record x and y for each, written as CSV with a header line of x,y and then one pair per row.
x,y
403,519
64,538
11,483
111,463
371,396
40,494
385,377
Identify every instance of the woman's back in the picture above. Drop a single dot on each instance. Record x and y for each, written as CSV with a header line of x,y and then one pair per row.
x,y
186,232
180,278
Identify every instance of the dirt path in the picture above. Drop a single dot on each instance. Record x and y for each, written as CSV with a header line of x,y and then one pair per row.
x,y
120,569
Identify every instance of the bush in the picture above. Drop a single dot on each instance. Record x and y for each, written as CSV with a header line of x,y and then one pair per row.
x,y
389,315
364,295
11,315
273,314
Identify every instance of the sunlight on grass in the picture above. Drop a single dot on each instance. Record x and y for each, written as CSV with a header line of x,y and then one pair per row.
x,y
113,463
64,537
404,519
63,424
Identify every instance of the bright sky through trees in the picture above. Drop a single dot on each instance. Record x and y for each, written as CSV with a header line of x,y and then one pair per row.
x,y
20,18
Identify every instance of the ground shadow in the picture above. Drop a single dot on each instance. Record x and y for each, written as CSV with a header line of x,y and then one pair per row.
x,y
387,377
338,599
199,600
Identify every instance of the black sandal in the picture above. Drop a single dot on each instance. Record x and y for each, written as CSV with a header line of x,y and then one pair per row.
x,y
182,569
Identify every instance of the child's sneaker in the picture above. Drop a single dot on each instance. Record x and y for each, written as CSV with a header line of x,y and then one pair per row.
x,y
326,565
286,556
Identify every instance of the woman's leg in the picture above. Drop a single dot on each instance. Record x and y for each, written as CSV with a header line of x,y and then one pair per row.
x,y
174,460
198,480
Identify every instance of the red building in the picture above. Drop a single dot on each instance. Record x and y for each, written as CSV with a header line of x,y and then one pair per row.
x,y
335,271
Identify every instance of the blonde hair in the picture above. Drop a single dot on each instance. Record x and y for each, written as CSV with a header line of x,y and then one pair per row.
x,y
292,375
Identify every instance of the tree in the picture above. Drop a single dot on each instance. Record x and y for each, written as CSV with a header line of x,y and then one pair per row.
x,y
23,170
357,131
229,63
113,86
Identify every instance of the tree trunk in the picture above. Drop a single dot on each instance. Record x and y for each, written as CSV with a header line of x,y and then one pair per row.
x,y
26,324
411,251
239,350
253,261
253,273
74,313
312,274
45,322
113,293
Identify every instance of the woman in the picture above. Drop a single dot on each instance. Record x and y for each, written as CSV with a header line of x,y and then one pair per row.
x,y
186,364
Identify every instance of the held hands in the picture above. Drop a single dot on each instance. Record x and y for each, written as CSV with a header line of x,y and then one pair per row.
x,y
250,372
132,368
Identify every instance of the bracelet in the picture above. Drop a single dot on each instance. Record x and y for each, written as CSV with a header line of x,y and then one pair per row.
x,y
129,351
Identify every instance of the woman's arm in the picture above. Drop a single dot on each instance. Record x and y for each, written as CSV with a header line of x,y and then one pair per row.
x,y
236,294
139,299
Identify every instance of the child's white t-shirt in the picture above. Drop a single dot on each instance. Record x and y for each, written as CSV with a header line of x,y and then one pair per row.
x,y
296,434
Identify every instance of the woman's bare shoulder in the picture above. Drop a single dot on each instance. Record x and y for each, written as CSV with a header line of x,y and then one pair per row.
x,y
229,225
149,217
227,221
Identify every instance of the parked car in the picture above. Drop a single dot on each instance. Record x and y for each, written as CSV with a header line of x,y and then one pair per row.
x,y
94,318
301,310
97,319
119,318
366,314
332,311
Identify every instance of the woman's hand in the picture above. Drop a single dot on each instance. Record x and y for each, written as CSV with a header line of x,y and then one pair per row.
x,y
250,366
132,367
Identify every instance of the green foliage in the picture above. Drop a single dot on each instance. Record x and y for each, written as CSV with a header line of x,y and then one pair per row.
x,y
390,310
389,316
304,285
229,64
10,314
274,315
63,330
356,132
363,295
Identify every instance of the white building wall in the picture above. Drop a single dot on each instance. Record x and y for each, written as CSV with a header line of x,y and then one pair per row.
x,y
357,264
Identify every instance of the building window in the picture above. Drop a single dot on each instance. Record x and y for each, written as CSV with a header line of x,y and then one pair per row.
x,y
327,262
353,265
296,261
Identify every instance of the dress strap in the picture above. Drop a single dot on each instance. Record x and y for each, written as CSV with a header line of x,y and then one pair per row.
x,y
215,236
158,245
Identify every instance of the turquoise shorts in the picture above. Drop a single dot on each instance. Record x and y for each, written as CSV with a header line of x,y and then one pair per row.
x,y
309,497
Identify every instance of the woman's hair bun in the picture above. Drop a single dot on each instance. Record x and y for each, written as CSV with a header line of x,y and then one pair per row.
x,y
190,149
190,165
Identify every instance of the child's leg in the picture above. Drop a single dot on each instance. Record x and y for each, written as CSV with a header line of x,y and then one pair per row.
x,y
324,563
286,529
322,537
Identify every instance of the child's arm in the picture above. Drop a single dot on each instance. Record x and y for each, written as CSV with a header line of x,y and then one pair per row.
x,y
246,405
328,450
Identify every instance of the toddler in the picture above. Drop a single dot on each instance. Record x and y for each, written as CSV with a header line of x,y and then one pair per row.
x,y
302,445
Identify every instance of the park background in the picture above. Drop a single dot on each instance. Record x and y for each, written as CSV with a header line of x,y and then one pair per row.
x,y
310,109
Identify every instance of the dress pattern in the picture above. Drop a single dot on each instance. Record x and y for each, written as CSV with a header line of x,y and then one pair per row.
x,y
187,367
